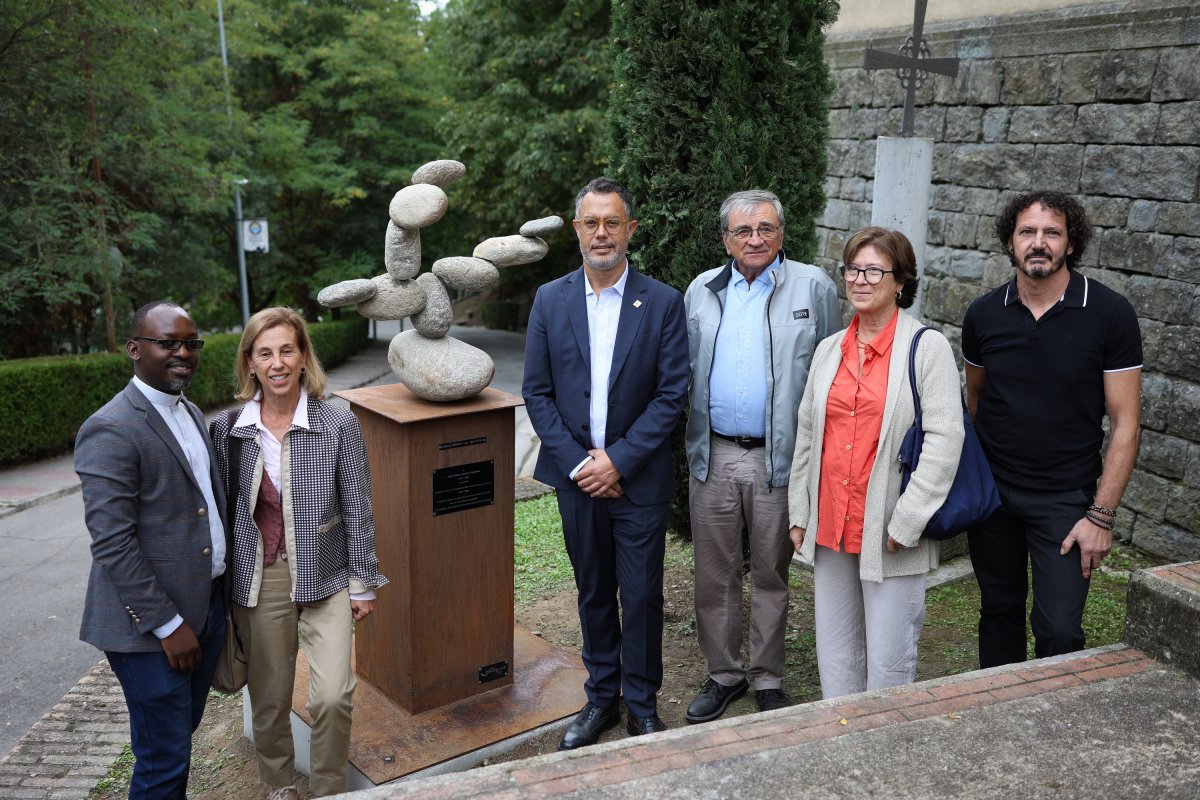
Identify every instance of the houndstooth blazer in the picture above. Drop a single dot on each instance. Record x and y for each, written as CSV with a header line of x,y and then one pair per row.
x,y
329,527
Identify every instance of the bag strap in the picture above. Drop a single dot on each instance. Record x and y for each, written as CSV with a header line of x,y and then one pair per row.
x,y
233,459
912,375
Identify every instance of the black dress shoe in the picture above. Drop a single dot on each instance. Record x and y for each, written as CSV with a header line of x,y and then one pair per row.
x,y
771,699
588,724
638,726
713,699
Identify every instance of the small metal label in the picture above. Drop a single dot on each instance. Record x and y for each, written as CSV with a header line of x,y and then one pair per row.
x,y
464,486
462,443
493,671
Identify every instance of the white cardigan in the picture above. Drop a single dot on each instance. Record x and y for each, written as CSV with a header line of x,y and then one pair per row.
x,y
887,512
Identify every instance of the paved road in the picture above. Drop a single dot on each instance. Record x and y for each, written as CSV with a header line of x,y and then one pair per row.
x,y
44,562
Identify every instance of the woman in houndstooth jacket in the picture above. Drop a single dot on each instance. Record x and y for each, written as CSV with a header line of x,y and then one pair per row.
x,y
303,545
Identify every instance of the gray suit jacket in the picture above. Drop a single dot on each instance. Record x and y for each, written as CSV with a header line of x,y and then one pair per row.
x,y
151,546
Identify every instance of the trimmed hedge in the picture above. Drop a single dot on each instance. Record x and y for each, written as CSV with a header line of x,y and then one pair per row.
x,y
43,401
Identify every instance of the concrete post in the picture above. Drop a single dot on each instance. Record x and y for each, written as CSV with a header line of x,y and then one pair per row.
x,y
903,172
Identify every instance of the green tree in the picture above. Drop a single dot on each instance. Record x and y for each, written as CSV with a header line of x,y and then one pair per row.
x,y
112,166
709,99
341,99
529,83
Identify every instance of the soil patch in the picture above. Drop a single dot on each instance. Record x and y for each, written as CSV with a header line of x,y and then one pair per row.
x,y
223,763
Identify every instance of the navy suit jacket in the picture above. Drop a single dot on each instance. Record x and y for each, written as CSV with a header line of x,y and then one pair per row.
x,y
647,385
151,545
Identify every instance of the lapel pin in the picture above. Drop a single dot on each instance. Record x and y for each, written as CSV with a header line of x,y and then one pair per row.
x,y
637,303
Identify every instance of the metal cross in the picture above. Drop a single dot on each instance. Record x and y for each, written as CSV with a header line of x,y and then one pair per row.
x,y
912,65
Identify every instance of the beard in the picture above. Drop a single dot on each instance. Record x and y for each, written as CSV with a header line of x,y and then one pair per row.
x,y
1038,272
177,385
604,263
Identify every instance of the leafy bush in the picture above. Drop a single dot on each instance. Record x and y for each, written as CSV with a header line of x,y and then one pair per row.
x,y
45,400
499,314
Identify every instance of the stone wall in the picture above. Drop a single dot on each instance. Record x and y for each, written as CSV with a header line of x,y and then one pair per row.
x,y
1101,101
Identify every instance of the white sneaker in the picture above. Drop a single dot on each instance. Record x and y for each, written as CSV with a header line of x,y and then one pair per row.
x,y
286,793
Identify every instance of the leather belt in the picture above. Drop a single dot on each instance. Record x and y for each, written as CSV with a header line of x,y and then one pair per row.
x,y
744,442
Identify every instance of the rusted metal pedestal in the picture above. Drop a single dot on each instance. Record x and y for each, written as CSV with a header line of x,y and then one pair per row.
x,y
439,675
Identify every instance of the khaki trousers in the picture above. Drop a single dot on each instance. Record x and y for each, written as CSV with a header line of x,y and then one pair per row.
x,y
269,632
734,495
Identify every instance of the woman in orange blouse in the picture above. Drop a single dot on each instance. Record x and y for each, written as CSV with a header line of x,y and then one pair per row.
x,y
848,517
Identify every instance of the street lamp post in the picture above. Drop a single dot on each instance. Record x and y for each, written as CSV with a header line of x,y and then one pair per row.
x,y
238,183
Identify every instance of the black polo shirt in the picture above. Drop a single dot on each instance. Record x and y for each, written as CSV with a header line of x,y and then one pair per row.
x,y
1039,417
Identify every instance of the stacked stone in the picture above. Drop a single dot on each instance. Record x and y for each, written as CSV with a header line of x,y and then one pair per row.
x,y
431,364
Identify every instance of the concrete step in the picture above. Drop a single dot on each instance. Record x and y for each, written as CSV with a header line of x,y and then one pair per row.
x,y
1163,617
1114,721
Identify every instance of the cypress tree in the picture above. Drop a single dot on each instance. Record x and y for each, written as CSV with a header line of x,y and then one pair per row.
x,y
710,98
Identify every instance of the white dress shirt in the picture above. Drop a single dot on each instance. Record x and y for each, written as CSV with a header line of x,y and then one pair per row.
x,y
604,313
194,444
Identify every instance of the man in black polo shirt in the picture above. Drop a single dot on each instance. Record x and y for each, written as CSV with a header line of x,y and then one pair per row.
x,y
1047,355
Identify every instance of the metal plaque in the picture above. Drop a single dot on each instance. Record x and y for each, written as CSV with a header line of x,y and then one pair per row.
x,y
493,672
464,486
462,443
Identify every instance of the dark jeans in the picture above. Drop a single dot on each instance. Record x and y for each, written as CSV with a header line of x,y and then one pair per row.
x,y
617,547
165,708
1029,528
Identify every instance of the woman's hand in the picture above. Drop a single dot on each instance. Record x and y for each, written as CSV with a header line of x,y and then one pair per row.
x,y
796,534
893,545
361,609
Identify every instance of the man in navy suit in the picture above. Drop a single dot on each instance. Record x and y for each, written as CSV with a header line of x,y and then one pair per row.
x,y
606,378
154,507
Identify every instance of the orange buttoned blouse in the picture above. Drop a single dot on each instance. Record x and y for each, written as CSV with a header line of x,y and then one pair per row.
x,y
853,417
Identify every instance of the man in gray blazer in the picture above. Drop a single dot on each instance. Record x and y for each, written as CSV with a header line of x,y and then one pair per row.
x,y
155,510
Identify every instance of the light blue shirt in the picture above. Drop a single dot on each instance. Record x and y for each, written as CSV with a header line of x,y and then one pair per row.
x,y
737,385
195,447
604,313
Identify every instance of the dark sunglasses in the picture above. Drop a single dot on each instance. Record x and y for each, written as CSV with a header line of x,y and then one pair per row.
x,y
195,345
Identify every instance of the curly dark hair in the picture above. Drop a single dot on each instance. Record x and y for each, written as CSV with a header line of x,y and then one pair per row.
x,y
1079,227
895,247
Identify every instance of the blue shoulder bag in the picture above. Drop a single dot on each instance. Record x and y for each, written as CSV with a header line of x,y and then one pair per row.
x,y
973,495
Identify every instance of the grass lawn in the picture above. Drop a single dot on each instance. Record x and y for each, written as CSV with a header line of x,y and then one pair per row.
x,y
948,642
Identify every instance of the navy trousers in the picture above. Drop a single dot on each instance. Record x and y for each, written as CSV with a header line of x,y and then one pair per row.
x,y
165,708
616,549
1025,533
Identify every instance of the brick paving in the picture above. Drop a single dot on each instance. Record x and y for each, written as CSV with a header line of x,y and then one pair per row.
x,y
73,746
744,739
1185,576
71,749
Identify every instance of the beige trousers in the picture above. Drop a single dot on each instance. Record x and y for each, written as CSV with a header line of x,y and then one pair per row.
x,y
734,495
269,632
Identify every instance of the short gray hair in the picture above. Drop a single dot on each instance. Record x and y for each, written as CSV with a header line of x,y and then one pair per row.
x,y
746,202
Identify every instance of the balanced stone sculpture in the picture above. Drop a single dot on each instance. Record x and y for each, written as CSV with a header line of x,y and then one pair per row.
x,y
431,364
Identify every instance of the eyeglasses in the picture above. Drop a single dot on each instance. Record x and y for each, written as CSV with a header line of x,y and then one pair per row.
x,y
872,274
287,352
765,232
612,225
195,345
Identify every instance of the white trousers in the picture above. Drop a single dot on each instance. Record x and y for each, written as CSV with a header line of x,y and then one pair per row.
x,y
867,632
